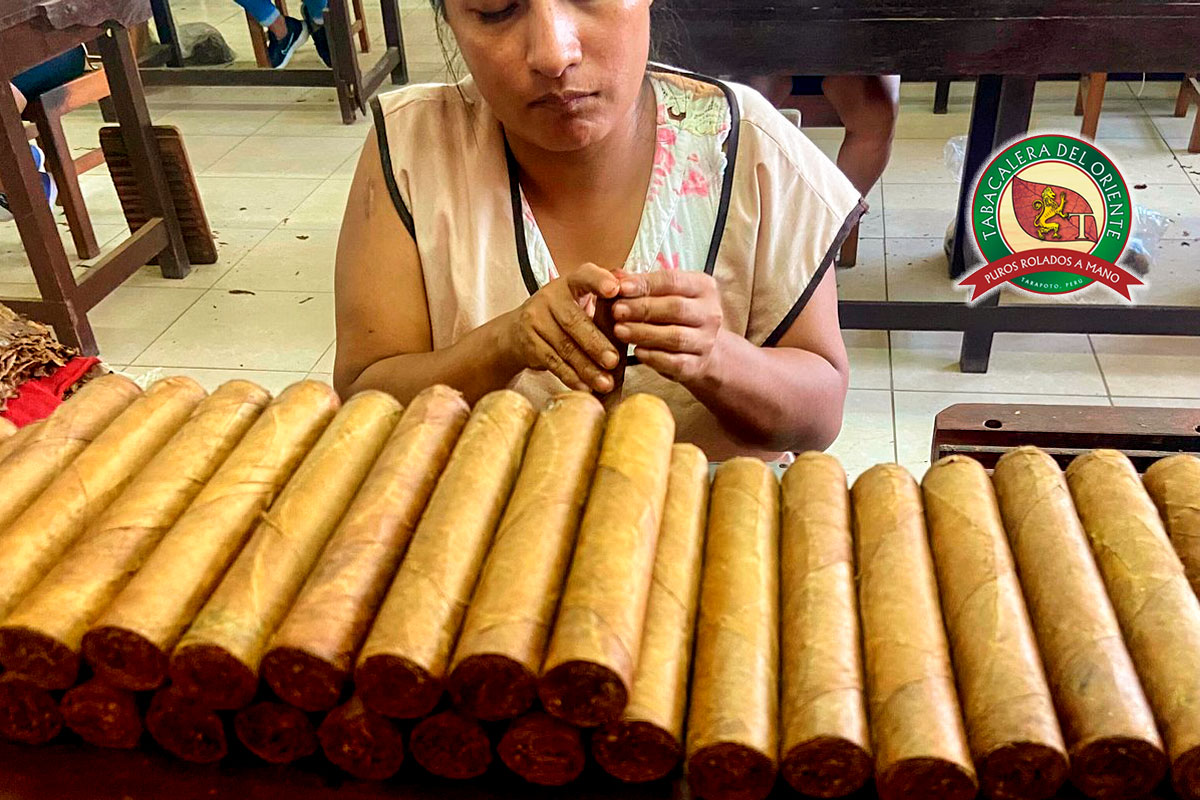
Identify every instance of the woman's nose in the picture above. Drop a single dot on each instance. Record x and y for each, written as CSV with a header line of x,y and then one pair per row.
x,y
553,39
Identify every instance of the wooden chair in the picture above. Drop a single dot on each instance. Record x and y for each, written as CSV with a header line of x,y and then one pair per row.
x,y
1189,92
46,112
258,36
817,112
1089,100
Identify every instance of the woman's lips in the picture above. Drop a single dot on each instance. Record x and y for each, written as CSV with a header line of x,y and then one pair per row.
x,y
564,101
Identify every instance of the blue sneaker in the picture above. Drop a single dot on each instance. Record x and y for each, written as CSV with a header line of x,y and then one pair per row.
x,y
320,38
48,184
280,51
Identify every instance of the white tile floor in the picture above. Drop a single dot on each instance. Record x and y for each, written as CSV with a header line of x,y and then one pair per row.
x,y
274,168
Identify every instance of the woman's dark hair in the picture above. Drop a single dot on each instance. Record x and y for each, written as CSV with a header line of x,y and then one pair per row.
x,y
666,41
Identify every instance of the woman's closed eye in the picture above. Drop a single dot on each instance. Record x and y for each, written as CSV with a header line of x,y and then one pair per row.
x,y
498,15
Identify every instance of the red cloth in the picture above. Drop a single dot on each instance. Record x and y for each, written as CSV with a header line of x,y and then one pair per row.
x,y
37,398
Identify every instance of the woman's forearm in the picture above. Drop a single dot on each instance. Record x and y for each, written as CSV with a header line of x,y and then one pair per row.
x,y
776,398
476,364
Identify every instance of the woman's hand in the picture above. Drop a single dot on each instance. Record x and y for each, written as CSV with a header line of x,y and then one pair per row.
x,y
673,318
553,330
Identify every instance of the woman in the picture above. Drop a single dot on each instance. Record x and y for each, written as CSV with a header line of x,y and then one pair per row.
x,y
487,218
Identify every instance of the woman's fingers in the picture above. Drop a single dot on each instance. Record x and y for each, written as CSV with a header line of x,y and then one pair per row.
x,y
673,309
669,338
545,354
579,327
592,279
672,366
665,282
580,362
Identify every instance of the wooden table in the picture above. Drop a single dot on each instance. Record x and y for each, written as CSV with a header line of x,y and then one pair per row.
x,y
986,431
1005,45
32,31
354,86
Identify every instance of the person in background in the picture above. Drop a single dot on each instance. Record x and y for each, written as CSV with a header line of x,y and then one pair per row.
x,y
28,85
285,35
867,106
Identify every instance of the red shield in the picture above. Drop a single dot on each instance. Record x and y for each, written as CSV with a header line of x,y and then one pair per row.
x,y
1052,213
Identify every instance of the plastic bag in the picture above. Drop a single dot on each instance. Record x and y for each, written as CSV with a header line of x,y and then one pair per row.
x,y
1148,229
954,153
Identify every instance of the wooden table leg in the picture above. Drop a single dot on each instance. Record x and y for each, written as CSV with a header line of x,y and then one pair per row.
x,y
941,96
164,22
39,234
393,34
1013,104
347,74
125,86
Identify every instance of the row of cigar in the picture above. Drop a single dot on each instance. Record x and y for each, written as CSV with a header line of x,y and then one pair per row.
x,y
497,579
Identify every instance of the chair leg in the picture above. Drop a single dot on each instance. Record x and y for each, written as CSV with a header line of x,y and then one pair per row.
x,y
364,36
848,256
62,167
1183,99
258,41
1092,103
941,96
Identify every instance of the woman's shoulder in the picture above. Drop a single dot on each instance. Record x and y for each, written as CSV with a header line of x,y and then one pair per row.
x,y
446,108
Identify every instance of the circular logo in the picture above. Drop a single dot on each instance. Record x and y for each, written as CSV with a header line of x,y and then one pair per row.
x,y
1053,211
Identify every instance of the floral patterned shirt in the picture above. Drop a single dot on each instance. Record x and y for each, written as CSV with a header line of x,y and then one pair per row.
x,y
684,194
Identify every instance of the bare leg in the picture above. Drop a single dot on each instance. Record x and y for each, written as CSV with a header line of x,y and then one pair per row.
x,y
867,106
776,88
20,98
278,27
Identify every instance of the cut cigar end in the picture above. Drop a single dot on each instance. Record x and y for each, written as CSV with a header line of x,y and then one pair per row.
x,y
42,659
275,732
543,750
212,675
1117,768
361,742
302,679
28,713
1185,774
396,687
583,693
451,745
927,779
636,751
729,771
125,659
492,687
827,766
1022,771
102,715
186,729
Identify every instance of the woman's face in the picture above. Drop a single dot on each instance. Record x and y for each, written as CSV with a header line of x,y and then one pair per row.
x,y
558,74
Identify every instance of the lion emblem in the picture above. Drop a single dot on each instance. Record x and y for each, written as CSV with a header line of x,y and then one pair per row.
x,y
1047,208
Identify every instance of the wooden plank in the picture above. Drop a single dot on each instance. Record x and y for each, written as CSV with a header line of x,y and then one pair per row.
x,y
986,431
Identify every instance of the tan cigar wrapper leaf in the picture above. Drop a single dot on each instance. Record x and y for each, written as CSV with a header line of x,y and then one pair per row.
x,y
423,610
734,699
603,606
331,616
1100,703
1157,609
259,588
1174,485
58,439
84,488
162,599
518,591
112,549
1006,701
825,747
916,724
